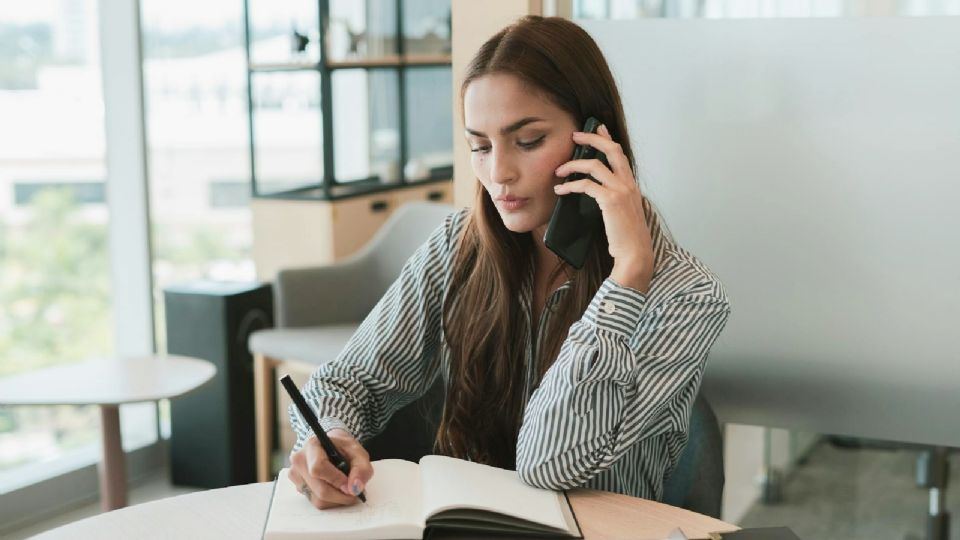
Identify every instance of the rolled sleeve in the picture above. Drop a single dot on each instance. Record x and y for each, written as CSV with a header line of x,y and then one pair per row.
x,y
392,358
618,380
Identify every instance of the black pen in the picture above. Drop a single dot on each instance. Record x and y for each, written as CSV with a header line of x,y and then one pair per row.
x,y
311,419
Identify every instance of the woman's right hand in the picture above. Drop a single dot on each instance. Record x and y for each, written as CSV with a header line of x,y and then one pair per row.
x,y
328,487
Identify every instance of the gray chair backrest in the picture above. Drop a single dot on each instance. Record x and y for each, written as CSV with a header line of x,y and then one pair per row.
x,y
405,231
346,291
696,483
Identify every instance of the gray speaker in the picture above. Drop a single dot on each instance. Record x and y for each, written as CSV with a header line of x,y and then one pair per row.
x,y
212,440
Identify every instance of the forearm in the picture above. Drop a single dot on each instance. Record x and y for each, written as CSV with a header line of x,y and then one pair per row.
x,y
342,398
391,359
582,395
602,396
572,428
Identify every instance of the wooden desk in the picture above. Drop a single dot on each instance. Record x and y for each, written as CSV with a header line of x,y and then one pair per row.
x,y
108,384
240,511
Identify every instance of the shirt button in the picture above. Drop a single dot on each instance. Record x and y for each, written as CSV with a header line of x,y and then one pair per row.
x,y
609,307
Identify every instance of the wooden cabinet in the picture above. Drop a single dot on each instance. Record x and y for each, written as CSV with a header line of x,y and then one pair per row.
x,y
290,233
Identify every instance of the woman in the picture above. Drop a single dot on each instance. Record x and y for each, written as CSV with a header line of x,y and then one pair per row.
x,y
572,377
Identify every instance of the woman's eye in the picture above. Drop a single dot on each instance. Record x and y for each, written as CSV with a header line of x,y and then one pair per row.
x,y
481,149
532,144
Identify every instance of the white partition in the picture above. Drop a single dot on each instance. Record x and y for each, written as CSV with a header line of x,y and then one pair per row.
x,y
814,164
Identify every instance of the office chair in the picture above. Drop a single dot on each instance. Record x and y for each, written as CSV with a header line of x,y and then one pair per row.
x,y
696,482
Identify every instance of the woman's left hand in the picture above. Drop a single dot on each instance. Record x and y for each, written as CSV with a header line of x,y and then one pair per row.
x,y
621,203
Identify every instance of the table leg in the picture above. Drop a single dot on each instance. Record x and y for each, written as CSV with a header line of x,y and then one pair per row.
x,y
113,466
265,416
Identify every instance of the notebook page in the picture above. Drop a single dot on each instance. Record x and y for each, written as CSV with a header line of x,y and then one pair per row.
x,y
392,509
453,483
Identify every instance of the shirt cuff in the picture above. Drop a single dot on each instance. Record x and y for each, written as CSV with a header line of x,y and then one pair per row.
x,y
304,431
332,422
616,308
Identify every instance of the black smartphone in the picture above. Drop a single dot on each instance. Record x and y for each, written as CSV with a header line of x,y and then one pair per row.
x,y
576,218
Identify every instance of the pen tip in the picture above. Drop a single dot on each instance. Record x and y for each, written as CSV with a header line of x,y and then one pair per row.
x,y
362,497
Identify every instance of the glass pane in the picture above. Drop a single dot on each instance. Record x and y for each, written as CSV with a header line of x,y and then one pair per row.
x,y
361,30
426,27
54,260
288,147
366,125
281,31
198,147
429,134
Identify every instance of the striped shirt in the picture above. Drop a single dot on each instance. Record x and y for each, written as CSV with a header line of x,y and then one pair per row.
x,y
611,413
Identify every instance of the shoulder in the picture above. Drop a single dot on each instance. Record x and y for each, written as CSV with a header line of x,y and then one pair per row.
x,y
442,243
455,222
446,236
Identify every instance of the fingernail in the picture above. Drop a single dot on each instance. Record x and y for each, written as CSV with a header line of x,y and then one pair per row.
x,y
603,128
357,487
556,188
345,489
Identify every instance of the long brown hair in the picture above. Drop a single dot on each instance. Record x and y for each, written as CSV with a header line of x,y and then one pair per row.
x,y
483,319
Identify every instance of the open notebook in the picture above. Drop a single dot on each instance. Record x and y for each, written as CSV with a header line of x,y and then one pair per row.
x,y
405,499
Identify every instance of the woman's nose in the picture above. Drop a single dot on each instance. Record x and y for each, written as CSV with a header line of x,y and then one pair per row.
x,y
502,168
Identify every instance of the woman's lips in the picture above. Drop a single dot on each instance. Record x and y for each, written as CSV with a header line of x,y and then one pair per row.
x,y
512,203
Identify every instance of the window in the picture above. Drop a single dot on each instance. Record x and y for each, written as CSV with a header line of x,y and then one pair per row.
x,y
196,109
54,261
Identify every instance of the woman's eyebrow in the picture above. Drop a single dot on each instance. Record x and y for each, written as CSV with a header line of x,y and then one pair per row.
x,y
509,129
